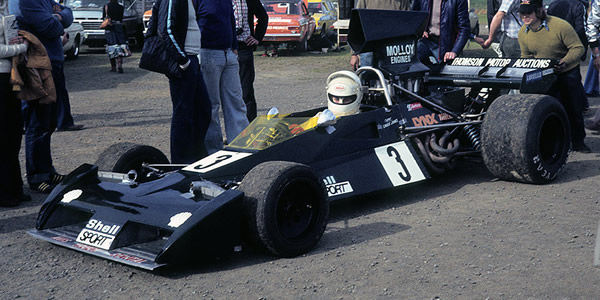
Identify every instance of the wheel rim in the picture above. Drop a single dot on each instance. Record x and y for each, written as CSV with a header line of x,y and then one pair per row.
x,y
76,48
552,139
297,209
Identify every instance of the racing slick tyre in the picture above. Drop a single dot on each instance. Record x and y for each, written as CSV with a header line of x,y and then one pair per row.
x,y
525,138
124,157
285,206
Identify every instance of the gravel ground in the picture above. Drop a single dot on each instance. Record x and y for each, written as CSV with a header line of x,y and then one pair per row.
x,y
462,236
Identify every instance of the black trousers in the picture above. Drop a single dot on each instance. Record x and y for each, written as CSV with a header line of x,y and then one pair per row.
x,y
569,90
246,61
11,122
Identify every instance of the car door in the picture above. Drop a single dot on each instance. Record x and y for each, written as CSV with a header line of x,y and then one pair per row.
x,y
310,21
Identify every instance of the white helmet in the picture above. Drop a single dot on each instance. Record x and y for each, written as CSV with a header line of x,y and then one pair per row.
x,y
343,93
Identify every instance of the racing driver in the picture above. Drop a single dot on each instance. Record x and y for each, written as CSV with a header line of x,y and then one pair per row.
x,y
344,95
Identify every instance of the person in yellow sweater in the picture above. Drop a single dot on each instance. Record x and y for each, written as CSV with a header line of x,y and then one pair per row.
x,y
543,36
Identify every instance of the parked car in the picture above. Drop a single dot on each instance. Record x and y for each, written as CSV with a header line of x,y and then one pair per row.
x,y
88,13
290,23
324,13
76,38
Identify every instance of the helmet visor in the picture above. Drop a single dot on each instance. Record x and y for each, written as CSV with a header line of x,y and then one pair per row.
x,y
342,100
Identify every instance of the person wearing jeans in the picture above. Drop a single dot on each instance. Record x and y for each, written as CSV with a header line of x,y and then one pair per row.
x,y
47,20
220,68
221,73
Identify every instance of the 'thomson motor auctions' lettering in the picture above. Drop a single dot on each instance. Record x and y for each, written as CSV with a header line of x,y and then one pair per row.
x,y
531,63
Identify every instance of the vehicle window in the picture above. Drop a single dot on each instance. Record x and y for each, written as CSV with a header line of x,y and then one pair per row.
x,y
304,9
85,3
285,8
315,8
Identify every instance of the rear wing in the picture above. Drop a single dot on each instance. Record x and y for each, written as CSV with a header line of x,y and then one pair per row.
x,y
529,75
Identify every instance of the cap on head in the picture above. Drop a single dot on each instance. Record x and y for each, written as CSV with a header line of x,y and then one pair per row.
x,y
344,93
529,6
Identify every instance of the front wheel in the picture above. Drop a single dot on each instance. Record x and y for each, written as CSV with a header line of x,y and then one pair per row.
x,y
125,157
285,207
525,138
73,53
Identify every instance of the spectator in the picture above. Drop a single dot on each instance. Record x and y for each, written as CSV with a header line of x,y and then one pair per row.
x,y
366,59
591,84
248,38
574,12
545,36
116,43
175,22
593,31
221,71
492,8
65,119
11,182
507,21
447,31
45,19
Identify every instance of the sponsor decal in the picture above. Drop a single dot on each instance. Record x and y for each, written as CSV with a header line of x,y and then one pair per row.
x,y
533,76
179,219
414,106
85,247
444,116
216,160
98,234
400,53
529,63
61,239
127,257
547,72
71,195
468,61
424,120
498,62
387,123
277,27
399,164
335,188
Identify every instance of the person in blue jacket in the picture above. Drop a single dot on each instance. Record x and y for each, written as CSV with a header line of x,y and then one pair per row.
x,y
447,30
47,20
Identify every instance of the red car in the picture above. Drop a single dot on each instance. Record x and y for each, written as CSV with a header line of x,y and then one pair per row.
x,y
289,23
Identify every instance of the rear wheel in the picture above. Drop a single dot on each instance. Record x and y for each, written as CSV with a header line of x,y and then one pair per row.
x,y
124,157
286,209
525,138
302,46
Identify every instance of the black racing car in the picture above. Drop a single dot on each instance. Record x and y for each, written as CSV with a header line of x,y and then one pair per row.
x,y
271,186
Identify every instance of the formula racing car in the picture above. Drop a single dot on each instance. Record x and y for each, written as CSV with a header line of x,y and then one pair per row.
x,y
271,186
